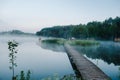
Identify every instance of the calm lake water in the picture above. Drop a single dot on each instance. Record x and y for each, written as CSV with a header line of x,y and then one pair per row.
x,y
106,56
48,59
31,56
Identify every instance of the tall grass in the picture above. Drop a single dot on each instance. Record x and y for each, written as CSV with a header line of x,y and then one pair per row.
x,y
83,42
55,41
72,42
22,76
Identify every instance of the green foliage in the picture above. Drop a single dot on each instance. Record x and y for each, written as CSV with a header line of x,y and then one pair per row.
x,y
23,77
56,31
79,31
72,42
28,75
108,29
83,42
54,77
55,41
12,48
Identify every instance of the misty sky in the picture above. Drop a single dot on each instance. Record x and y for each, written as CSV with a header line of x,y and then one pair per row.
x,y
33,15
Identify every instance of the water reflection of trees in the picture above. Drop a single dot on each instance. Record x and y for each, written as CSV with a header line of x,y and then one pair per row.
x,y
53,47
108,53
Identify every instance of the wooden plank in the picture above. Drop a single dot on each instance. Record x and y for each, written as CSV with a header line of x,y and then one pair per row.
x,y
86,68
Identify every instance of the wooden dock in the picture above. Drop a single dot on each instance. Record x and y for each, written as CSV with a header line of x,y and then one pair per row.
x,y
87,70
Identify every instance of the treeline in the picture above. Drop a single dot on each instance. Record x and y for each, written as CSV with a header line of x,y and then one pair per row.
x,y
108,29
16,32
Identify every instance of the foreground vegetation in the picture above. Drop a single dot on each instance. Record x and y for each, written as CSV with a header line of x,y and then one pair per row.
x,y
12,45
65,77
71,42
107,30
27,76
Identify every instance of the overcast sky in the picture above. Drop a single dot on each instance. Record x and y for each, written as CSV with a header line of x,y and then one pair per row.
x,y
33,15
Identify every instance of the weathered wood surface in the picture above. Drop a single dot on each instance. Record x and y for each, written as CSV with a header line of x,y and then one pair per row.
x,y
87,69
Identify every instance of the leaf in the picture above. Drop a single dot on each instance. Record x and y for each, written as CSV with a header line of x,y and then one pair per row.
x,y
15,64
10,67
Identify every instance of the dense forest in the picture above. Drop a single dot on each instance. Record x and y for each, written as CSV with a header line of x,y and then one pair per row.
x,y
109,29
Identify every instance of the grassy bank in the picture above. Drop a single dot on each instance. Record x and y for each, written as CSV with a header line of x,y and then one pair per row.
x,y
72,42
54,41
83,42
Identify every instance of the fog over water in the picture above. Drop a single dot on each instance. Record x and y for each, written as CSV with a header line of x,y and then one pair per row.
x,y
41,62
47,59
106,56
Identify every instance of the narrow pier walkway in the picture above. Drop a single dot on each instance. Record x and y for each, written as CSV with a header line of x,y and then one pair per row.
x,y
87,69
